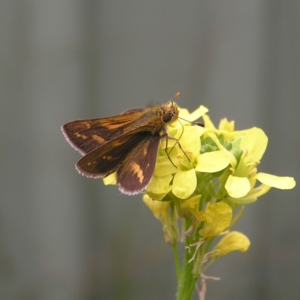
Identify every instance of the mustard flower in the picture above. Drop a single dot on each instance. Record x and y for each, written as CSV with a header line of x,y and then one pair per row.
x,y
202,175
177,172
162,212
245,149
217,218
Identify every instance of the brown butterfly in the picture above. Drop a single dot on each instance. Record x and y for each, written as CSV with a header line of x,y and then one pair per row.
x,y
126,144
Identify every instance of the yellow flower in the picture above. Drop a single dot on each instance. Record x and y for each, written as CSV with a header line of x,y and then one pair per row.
x,y
232,241
246,148
185,179
217,219
181,180
161,211
190,207
214,162
253,144
203,175
186,156
240,184
208,173
226,125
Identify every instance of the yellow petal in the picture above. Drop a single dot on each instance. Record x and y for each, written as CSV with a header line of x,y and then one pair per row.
x,y
232,241
279,182
190,139
160,185
237,187
259,191
191,203
195,115
226,125
208,122
187,137
184,183
255,141
110,179
211,162
160,209
230,155
190,206
163,166
217,219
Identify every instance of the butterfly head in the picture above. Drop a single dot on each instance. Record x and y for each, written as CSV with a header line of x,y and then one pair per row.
x,y
170,112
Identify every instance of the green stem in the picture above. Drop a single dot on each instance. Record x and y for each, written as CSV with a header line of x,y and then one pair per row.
x,y
188,278
177,262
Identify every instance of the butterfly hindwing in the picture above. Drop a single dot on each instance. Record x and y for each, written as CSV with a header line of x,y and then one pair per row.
x,y
136,171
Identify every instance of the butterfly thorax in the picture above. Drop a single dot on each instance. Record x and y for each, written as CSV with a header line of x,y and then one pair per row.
x,y
158,118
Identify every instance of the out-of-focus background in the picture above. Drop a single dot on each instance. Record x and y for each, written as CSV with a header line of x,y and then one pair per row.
x,y
63,236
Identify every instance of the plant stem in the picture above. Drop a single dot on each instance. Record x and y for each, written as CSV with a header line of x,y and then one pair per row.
x,y
186,284
177,262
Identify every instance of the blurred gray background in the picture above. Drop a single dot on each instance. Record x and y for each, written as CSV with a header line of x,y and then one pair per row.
x,y
63,236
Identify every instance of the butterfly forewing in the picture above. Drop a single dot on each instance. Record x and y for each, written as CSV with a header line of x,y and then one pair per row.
x,y
88,135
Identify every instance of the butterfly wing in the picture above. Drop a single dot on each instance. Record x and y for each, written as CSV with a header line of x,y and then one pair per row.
x,y
88,135
106,159
133,157
137,169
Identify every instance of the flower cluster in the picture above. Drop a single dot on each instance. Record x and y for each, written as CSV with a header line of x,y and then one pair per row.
x,y
205,176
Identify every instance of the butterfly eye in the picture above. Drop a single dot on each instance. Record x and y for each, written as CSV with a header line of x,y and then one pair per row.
x,y
167,117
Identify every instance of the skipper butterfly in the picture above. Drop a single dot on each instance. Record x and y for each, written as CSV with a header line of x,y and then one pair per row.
x,y
126,144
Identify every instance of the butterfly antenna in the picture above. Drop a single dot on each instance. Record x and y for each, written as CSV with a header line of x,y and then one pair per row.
x,y
177,95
